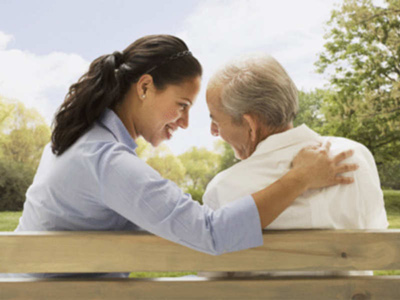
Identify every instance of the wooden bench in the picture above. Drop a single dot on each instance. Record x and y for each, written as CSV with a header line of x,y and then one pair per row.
x,y
303,250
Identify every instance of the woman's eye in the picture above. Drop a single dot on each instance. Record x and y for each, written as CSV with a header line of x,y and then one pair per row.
x,y
183,106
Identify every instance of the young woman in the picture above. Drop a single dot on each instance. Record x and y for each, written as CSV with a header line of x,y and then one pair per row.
x,y
90,177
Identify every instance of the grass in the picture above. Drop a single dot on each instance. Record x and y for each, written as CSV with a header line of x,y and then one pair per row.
x,y
392,204
394,220
387,272
9,221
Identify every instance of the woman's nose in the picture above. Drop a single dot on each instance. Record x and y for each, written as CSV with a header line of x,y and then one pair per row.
x,y
183,121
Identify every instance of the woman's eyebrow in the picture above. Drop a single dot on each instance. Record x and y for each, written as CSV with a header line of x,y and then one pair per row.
x,y
187,99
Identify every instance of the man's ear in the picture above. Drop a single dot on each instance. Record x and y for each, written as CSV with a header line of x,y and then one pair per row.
x,y
143,86
252,123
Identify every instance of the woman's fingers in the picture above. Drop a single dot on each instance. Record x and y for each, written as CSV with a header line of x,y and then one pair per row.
x,y
343,168
321,169
312,147
342,156
343,180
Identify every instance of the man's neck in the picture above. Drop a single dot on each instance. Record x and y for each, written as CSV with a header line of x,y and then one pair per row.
x,y
266,132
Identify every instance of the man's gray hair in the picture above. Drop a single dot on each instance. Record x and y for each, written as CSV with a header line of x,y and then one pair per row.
x,y
257,85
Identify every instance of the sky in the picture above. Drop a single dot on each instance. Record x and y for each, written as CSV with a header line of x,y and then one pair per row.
x,y
46,45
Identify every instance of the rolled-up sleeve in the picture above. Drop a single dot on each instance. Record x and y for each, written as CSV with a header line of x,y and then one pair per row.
x,y
134,190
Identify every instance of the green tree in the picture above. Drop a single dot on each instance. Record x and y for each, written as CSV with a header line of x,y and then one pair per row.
x,y
389,173
23,134
169,166
227,155
310,113
162,160
7,109
144,148
201,166
25,145
362,56
15,178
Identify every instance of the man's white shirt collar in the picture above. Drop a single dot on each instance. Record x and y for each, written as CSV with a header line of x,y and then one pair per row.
x,y
287,138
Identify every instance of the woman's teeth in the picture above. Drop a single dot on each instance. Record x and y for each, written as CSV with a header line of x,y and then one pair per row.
x,y
170,131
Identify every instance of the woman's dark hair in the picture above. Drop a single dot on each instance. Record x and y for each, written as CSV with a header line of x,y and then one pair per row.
x,y
166,58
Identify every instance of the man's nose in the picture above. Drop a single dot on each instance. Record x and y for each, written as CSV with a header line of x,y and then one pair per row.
x,y
214,129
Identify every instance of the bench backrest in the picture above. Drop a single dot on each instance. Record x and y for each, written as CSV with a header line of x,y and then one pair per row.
x,y
300,250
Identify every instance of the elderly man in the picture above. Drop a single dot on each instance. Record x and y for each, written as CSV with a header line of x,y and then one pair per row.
x,y
252,104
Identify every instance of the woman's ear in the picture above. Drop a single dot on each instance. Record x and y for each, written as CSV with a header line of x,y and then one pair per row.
x,y
253,125
143,85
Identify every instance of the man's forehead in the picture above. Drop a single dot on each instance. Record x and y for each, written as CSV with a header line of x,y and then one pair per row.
x,y
214,104
213,95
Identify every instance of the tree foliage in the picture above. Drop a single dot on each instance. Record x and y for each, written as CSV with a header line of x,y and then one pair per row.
x,y
162,160
310,109
143,149
15,178
227,154
7,108
169,166
23,134
201,166
192,170
362,58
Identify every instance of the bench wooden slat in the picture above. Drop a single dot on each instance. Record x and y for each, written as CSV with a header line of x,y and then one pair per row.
x,y
299,250
357,288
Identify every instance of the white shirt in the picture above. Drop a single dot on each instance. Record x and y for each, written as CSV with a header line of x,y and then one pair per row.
x,y
355,206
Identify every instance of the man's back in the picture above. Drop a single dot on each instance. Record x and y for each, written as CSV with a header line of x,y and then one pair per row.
x,y
356,206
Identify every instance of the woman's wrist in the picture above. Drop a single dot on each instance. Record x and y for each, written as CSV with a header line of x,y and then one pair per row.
x,y
299,179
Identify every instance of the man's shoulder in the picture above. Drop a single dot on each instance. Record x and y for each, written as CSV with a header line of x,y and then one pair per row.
x,y
366,176
339,144
230,184
341,141
228,175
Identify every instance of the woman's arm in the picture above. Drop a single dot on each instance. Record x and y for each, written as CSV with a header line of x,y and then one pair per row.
x,y
312,168
135,191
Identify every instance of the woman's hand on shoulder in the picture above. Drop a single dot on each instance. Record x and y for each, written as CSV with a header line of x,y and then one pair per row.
x,y
320,169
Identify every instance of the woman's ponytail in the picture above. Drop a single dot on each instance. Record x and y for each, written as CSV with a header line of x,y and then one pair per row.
x,y
86,100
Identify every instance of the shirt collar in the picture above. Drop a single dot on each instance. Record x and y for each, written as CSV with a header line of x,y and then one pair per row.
x,y
287,138
114,124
